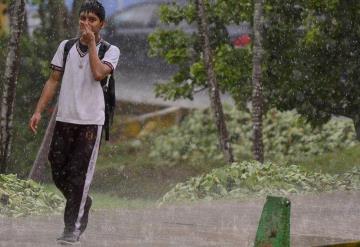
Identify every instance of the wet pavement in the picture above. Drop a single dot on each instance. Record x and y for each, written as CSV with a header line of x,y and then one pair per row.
x,y
315,220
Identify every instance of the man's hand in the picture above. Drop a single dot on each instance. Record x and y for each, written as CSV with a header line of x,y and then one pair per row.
x,y
34,121
87,36
47,94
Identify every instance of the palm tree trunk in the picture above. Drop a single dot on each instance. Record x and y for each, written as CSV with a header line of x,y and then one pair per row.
x,y
257,96
214,94
17,13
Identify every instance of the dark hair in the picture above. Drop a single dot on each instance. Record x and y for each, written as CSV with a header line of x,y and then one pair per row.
x,y
94,7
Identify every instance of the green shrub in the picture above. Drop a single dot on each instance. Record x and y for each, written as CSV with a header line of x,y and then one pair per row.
x,y
26,197
194,141
252,179
286,137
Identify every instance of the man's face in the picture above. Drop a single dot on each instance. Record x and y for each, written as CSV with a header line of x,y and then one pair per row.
x,y
92,20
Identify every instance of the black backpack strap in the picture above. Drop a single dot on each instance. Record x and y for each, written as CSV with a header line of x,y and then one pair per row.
x,y
108,86
110,102
104,47
67,48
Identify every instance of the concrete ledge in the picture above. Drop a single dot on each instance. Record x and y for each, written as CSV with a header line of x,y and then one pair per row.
x,y
350,244
149,122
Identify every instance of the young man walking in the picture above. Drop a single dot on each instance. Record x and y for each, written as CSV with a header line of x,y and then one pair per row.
x,y
80,117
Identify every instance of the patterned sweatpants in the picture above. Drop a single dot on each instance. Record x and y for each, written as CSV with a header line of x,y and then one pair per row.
x,y
73,153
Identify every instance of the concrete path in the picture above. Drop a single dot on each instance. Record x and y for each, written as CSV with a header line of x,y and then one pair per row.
x,y
315,220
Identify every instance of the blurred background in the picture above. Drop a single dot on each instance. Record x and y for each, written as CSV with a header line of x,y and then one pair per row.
x,y
129,24
164,136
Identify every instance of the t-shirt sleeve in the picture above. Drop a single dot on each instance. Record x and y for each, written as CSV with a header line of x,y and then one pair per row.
x,y
57,61
111,57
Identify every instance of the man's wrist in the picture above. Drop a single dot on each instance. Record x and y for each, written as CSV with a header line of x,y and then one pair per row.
x,y
93,42
92,46
37,112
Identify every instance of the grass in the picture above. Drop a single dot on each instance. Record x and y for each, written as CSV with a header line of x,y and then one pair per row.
x,y
126,178
334,163
103,200
126,170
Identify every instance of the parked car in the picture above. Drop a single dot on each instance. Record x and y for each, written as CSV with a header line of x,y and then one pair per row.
x,y
129,30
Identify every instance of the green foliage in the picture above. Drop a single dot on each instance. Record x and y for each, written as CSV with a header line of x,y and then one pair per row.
x,y
235,78
233,11
36,52
32,75
252,179
167,41
286,137
310,62
175,14
183,49
26,197
34,70
30,80
194,141
311,58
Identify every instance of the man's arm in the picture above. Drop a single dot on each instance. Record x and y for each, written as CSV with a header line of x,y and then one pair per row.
x,y
47,95
98,69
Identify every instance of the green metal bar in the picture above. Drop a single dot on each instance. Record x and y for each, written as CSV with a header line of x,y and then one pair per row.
x,y
274,225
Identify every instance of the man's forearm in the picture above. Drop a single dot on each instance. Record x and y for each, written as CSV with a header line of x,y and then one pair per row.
x,y
46,95
98,69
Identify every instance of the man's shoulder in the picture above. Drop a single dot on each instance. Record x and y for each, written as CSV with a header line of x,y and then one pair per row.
x,y
111,48
70,42
73,38
108,44
63,43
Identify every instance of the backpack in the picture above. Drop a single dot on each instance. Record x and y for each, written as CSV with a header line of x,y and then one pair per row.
x,y
107,84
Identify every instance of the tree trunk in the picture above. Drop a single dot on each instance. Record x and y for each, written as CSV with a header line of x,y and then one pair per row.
x,y
356,121
17,13
54,18
214,94
58,19
38,168
257,97
25,29
74,17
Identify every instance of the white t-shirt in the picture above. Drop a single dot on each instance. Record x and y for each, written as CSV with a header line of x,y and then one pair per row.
x,y
81,99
